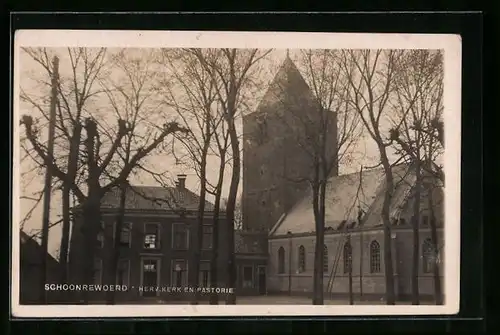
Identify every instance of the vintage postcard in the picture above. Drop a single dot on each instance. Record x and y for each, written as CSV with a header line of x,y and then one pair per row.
x,y
175,173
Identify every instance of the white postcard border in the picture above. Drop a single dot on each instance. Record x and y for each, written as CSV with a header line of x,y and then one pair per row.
x,y
451,44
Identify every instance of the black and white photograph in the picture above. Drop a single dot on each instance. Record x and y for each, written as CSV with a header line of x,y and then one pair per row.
x,y
235,173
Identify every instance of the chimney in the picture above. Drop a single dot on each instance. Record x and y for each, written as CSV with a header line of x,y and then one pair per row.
x,y
181,181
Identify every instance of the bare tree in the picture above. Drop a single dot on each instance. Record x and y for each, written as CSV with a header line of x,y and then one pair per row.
x,y
324,127
130,97
234,69
419,83
191,92
100,165
370,74
73,91
221,151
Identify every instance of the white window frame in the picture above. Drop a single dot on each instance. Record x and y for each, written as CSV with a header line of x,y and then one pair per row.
x,y
172,271
158,272
209,273
173,236
158,236
130,224
203,235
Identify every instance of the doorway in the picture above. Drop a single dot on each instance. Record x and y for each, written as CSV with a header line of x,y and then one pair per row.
x,y
261,271
150,278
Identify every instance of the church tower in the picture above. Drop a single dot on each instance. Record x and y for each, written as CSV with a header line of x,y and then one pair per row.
x,y
275,163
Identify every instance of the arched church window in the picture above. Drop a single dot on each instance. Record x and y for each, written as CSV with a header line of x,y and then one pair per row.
x,y
281,260
302,259
374,257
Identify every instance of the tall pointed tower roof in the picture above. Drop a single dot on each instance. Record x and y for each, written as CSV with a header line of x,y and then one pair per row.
x,y
288,82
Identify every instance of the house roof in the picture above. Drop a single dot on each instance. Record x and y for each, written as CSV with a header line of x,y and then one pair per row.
x,y
288,82
30,251
345,195
154,198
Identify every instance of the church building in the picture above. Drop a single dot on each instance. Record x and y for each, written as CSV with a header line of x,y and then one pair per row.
x,y
278,205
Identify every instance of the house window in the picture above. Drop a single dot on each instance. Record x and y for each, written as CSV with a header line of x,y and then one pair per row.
x,y
150,276
205,274
125,234
151,236
98,272
347,257
207,237
100,236
325,258
374,257
281,260
428,256
425,220
123,272
302,259
247,277
179,236
179,272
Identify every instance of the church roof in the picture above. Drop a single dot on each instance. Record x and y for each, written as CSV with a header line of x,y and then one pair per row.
x,y
345,195
288,82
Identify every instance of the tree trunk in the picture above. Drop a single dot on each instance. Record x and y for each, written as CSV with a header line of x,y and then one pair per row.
x,y
214,266
388,266
91,226
66,193
415,295
115,256
349,274
92,210
198,233
319,203
47,192
231,204
438,294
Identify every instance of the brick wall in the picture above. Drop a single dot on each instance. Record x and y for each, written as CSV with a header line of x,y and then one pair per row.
x,y
136,252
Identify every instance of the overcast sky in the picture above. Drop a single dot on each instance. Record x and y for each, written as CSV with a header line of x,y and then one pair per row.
x,y
30,71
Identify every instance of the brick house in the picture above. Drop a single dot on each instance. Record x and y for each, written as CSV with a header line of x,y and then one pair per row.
x,y
156,241
30,271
